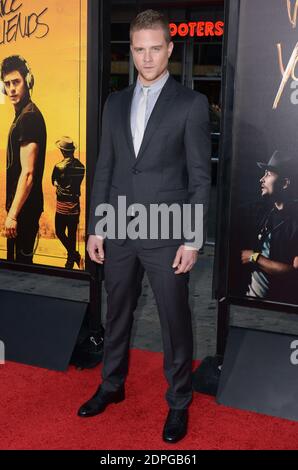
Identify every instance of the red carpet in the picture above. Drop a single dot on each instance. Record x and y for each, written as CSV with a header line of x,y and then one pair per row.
x,y
38,411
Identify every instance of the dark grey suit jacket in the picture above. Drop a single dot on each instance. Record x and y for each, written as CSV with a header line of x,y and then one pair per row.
x,y
173,164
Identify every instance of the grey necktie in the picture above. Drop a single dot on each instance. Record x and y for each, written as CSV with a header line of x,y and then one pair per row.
x,y
140,120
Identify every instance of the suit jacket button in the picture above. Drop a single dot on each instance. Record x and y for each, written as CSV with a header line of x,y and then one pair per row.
x,y
135,171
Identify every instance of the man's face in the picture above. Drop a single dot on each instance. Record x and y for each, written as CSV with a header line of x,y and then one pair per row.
x,y
151,54
270,183
15,87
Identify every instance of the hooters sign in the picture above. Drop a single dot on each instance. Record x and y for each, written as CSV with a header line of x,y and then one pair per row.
x,y
197,29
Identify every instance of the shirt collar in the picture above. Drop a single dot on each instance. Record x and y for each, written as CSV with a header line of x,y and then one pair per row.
x,y
156,87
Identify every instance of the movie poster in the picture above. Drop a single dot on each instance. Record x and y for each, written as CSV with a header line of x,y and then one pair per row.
x,y
264,219
43,55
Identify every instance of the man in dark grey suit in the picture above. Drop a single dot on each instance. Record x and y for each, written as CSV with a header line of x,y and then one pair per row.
x,y
155,148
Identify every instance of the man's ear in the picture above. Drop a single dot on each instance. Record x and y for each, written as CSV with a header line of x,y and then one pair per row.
x,y
170,48
287,183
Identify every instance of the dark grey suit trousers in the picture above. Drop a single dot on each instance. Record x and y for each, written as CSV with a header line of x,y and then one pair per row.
x,y
122,282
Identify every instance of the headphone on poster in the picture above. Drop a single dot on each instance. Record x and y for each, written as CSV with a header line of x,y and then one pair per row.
x,y
20,63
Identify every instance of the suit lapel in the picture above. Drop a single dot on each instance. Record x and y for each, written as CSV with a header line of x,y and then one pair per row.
x,y
126,110
167,94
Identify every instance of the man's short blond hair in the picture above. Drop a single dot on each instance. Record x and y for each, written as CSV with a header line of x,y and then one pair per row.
x,y
150,19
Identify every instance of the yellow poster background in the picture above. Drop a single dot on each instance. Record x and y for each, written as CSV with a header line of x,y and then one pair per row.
x,y
58,62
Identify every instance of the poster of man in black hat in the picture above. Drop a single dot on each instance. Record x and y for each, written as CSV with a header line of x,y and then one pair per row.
x,y
259,258
268,242
67,177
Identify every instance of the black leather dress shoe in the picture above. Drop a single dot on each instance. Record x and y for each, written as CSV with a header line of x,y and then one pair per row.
x,y
175,427
98,403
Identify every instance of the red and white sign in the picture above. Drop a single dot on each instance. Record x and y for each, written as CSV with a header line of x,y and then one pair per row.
x,y
197,29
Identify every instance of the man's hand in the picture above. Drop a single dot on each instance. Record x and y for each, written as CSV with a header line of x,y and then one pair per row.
x,y
10,227
184,260
95,249
245,256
